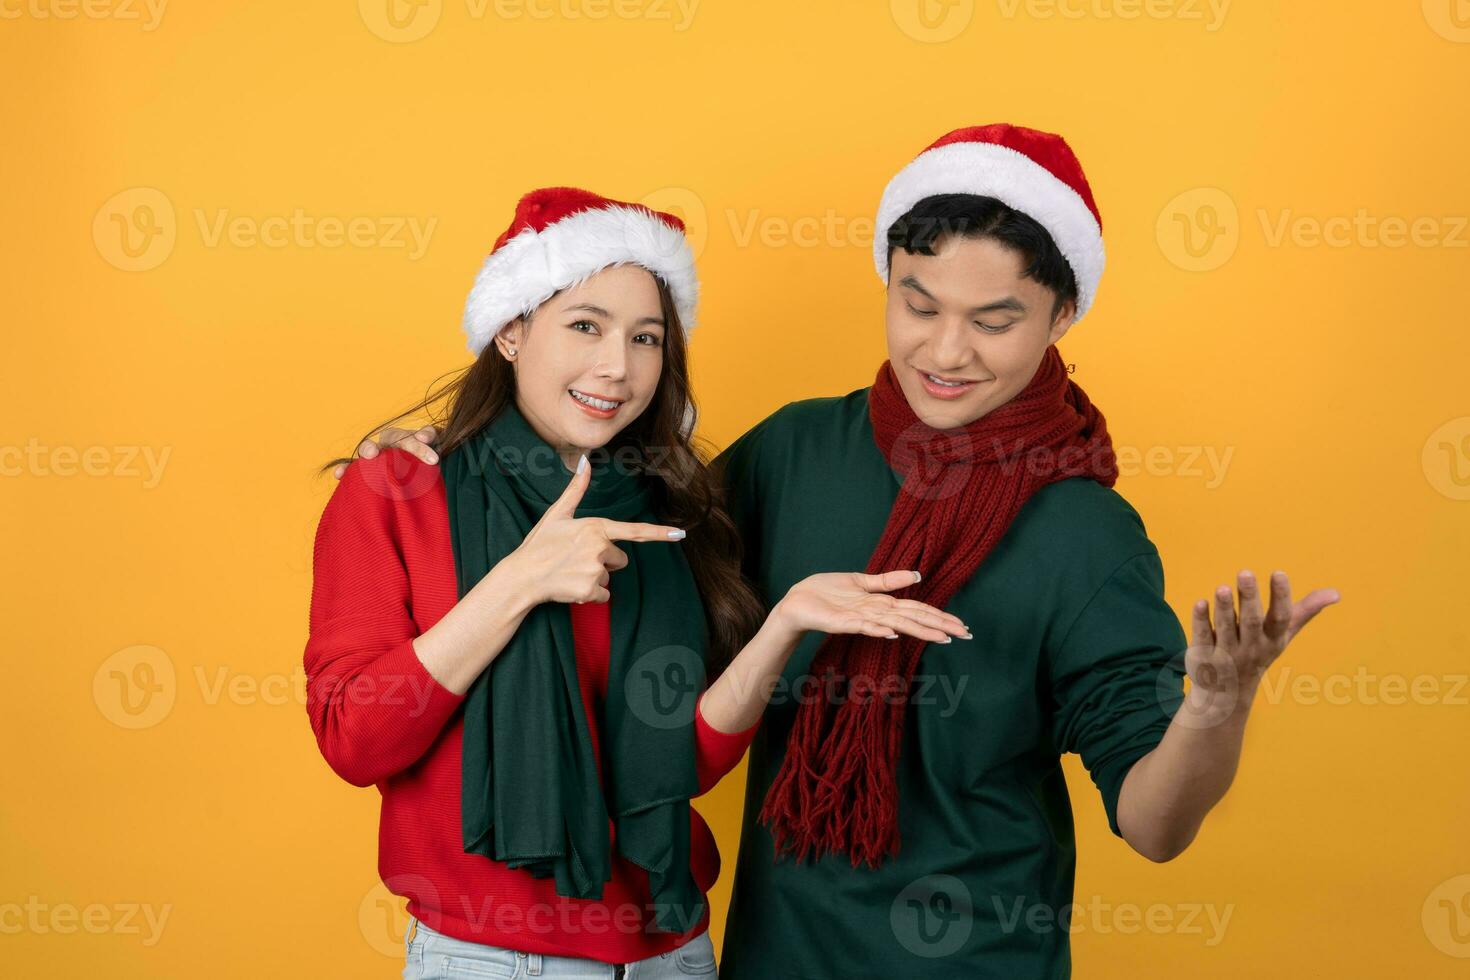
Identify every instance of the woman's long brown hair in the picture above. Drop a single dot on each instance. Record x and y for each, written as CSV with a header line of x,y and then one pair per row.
x,y
686,493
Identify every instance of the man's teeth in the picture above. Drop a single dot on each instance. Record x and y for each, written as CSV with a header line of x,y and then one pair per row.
x,y
597,403
947,384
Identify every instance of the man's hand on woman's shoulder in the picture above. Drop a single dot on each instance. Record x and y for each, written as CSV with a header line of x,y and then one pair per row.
x,y
419,443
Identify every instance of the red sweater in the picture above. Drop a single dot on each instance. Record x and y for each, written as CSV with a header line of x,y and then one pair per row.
x,y
383,573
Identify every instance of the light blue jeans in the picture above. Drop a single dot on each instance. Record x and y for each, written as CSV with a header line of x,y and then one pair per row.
x,y
430,955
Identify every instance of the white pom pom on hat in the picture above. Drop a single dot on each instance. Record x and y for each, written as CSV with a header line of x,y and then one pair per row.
x,y
560,237
1031,171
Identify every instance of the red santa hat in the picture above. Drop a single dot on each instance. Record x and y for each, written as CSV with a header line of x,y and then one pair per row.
x,y
1028,170
562,236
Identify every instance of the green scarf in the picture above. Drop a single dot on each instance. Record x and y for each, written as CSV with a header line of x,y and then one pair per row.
x,y
540,805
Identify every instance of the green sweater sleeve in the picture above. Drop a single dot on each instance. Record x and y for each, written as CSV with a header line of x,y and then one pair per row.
x,y
1117,676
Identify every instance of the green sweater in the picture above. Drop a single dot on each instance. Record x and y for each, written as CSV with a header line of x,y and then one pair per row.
x,y
1074,650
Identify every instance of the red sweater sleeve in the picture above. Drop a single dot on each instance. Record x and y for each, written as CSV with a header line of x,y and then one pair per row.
x,y
716,752
374,708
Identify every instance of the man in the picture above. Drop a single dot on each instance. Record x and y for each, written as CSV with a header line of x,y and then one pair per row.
x,y
906,813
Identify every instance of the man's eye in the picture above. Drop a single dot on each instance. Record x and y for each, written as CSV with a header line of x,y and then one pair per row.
x,y
993,329
918,312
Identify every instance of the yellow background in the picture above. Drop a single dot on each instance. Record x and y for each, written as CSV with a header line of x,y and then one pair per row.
x,y
1332,374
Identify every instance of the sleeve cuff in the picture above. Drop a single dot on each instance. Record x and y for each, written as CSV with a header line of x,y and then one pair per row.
x,y
426,702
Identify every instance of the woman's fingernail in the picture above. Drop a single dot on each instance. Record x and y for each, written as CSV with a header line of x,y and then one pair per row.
x,y
582,463
966,636
918,577
676,535
431,456
891,636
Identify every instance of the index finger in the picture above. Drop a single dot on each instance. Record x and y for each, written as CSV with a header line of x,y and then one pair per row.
x,y
633,531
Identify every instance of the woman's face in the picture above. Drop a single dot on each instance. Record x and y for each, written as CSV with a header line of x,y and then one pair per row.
x,y
588,361
966,331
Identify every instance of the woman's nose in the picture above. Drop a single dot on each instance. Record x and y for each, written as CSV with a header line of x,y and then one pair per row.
x,y
612,360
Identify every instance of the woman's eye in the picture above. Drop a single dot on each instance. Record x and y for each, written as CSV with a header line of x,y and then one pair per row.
x,y
647,338
916,311
584,323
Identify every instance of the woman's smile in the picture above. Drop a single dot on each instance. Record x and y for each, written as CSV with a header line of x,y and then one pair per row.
x,y
594,405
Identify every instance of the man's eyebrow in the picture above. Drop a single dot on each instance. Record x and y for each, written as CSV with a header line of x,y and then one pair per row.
x,y
1009,303
913,284
656,321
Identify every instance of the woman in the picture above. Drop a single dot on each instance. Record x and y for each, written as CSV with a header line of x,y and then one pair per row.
x,y
513,646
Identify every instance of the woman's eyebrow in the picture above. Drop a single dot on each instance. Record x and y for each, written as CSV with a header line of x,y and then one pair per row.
x,y
656,321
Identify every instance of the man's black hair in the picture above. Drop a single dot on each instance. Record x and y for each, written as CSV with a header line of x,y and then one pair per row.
x,y
975,216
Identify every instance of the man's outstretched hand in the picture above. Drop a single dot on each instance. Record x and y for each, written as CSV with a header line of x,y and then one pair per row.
x,y
419,443
1227,659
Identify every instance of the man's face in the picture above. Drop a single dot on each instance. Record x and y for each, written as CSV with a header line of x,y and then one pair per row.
x,y
966,316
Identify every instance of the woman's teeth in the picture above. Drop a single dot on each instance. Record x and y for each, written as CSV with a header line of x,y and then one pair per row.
x,y
601,404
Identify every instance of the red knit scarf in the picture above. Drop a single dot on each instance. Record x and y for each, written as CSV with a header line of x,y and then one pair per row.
x,y
837,789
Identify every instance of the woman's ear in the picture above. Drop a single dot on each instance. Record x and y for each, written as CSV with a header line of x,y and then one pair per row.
x,y
508,340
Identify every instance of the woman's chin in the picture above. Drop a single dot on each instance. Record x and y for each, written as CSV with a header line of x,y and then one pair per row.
x,y
591,433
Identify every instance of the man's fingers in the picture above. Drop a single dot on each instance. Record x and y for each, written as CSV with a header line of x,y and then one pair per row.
x,y
427,435
1278,617
367,449
1203,634
341,468
1225,633
632,531
1250,602
886,581
1314,602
